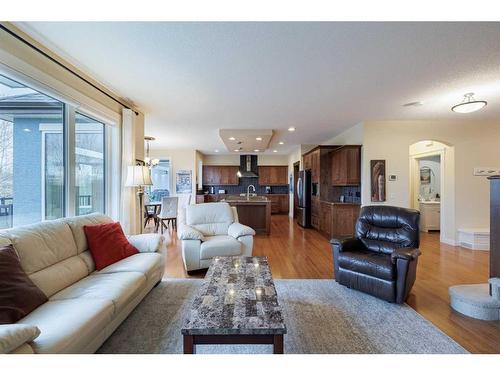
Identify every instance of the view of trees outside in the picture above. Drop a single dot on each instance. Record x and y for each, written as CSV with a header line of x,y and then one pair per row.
x,y
6,158
89,149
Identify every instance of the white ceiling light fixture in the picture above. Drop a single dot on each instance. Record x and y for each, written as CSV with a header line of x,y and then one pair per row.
x,y
232,138
216,150
236,150
258,139
469,104
291,129
275,150
281,143
256,150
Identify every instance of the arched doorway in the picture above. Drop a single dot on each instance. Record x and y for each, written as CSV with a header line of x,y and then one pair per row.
x,y
432,189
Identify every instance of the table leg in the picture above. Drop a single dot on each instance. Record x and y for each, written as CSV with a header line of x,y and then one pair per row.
x,y
278,344
189,347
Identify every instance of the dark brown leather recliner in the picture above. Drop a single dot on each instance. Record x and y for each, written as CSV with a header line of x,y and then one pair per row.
x,y
382,257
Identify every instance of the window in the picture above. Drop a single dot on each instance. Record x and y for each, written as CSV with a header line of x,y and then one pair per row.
x,y
89,168
31,158
161,176
36,158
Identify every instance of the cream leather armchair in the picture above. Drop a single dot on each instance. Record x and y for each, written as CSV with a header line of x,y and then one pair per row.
x,y
210,230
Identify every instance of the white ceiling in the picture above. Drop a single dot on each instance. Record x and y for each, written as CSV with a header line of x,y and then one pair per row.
x,y
192,79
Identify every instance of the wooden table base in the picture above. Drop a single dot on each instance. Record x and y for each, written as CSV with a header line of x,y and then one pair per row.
x,y
190,341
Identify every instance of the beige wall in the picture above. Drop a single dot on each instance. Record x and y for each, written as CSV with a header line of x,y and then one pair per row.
x,y
235,159
180,159
474,144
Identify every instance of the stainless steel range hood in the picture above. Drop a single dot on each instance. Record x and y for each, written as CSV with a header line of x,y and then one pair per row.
x,y
248,166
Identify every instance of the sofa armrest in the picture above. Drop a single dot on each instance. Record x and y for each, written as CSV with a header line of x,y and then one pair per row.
x,y
12,336
405,254
187,232
348,244
237,230
148,243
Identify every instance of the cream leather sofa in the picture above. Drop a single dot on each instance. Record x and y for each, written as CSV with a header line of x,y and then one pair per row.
x,y
210,230
85,306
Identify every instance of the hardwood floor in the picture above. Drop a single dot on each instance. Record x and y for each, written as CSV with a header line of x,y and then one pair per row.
x,y
297,253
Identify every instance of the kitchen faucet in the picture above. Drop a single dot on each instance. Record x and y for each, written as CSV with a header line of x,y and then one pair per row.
x,y
248,191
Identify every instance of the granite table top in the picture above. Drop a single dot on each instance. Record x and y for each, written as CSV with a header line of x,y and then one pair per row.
x,y
237,297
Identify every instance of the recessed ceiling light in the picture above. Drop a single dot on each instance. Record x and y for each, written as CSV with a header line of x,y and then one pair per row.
x,y
275,150
282,143
413,104
236,150
256,150
232,138
216,150
291,129
469,104
27,130
258,139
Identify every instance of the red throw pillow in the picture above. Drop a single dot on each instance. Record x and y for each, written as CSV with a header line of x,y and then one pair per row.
x,y
108,244
18,294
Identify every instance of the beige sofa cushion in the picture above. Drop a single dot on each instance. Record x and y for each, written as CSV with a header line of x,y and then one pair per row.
x,y
47,249
120,288
210,218
13,336
77,223
42,245
219,246
146,263
60,275
67,326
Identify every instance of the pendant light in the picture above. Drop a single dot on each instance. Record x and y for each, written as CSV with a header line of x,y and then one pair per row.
x,y
147,160
469,104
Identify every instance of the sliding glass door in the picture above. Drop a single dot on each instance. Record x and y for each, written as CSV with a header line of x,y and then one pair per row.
x,y
89,165
41,149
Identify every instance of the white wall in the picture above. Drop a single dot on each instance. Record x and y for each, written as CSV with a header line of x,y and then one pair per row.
x,y
351,136
474,144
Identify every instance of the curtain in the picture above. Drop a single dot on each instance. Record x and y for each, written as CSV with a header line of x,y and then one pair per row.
x,y
129,218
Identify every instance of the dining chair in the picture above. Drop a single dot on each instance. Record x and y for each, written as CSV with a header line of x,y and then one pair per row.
x,y
168,213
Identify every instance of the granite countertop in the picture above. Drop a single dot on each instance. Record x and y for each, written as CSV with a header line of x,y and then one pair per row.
x,y
237,297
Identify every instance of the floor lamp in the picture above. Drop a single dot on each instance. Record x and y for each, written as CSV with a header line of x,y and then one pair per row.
x,y
139,176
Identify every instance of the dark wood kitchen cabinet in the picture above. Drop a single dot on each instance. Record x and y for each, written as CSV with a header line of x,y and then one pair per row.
x,y
325,217
220,175
273,175
344,218
346,166
279,203
315,166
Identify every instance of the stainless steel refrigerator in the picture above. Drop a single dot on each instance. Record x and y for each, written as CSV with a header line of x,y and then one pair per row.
x,y
303,190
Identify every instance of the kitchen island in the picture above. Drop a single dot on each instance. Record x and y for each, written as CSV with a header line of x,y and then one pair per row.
x,y
254,211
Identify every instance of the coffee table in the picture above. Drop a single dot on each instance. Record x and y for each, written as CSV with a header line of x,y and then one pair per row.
x,y
236,304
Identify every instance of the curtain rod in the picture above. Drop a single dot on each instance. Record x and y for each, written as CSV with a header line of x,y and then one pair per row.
x,y
31,45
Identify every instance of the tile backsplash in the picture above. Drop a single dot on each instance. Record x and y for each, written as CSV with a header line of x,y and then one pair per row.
x,y
242,187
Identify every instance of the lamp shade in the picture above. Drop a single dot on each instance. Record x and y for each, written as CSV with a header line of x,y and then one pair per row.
x,y
138,175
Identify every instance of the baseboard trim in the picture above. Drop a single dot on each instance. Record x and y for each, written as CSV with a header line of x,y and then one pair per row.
x,y
448,241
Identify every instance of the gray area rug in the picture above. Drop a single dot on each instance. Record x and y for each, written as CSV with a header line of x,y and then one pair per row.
x,y
321,317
